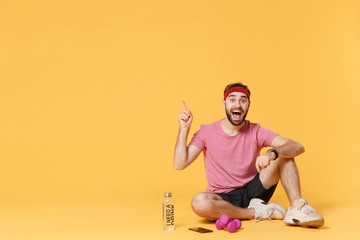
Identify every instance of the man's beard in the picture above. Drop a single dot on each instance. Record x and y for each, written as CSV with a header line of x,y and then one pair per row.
x,y
237,123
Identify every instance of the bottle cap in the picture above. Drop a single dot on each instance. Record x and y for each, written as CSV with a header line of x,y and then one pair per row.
x,y
167,194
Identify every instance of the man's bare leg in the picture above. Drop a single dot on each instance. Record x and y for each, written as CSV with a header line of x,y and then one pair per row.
x,y
286,170
212,206
290,181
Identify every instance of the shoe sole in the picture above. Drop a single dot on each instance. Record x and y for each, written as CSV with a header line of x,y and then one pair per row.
x,y
311,224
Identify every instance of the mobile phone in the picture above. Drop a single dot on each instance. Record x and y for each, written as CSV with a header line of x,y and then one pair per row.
x,y
200,230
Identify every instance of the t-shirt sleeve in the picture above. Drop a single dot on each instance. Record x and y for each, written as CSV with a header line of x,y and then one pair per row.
x,y
198,139
265,137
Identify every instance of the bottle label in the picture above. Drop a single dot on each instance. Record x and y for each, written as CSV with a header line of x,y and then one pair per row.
x,y
169,215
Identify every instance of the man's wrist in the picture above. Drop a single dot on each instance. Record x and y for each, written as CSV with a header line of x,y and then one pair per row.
x,y
184,132
273,151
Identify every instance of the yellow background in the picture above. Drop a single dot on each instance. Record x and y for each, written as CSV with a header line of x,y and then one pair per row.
x,y
90,92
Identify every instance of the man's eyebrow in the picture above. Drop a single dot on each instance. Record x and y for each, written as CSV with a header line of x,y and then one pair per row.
x,y
242,96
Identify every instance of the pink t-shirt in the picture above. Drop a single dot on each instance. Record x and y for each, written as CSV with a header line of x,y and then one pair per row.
x,y
230,160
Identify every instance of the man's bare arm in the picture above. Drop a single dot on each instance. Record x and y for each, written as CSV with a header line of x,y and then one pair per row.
x,y
286,148
184,155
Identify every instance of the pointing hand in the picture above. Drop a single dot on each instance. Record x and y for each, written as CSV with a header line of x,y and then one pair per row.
x,y
185,119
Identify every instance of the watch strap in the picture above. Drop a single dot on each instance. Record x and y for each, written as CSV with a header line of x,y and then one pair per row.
x,y
275,152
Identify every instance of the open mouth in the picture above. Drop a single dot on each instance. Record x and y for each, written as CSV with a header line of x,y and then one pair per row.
x,y
236,114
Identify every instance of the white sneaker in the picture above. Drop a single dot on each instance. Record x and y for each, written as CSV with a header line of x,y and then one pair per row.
x,y
303,215
266,211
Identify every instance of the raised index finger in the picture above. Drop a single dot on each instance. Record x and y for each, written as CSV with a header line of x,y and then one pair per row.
x,y
184,105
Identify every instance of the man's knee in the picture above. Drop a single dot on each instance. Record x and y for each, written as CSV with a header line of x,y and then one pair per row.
x,y
272,174
202,204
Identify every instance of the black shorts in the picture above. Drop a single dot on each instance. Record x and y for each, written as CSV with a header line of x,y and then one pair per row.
x,y
241,196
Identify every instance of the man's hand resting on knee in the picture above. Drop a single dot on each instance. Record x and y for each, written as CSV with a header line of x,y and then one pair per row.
x,y
263,161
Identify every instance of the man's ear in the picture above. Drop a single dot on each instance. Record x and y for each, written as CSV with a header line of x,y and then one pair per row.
x,y
223,101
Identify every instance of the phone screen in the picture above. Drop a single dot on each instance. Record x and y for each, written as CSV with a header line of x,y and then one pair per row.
x,y
200,230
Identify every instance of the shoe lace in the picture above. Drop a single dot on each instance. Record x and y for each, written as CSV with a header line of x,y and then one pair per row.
x,y
262,215
306,207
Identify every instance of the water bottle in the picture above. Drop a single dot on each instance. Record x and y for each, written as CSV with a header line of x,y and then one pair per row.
x,y
168,212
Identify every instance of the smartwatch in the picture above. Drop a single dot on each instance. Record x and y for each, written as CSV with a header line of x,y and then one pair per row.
x,y
275,152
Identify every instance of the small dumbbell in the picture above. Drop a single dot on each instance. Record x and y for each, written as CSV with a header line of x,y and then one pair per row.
x,y
225,222
231,227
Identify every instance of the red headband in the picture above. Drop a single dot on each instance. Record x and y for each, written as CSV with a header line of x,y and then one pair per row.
x,y
237,89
